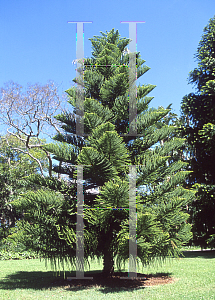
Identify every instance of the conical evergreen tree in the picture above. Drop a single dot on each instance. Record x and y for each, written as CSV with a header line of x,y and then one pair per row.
x,y
106,154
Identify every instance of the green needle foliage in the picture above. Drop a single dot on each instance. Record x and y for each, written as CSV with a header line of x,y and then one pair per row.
x,y
14,166
106,154
198,111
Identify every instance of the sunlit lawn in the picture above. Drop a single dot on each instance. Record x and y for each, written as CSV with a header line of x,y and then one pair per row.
x,y
29,279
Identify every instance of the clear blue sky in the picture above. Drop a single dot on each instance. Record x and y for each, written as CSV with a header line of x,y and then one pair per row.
x,y
37,43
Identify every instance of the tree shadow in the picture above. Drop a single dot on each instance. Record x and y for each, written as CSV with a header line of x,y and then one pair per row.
x,y
46,280
198,253
27,280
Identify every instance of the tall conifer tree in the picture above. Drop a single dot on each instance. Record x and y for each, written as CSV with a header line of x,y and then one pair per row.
x,y
106,155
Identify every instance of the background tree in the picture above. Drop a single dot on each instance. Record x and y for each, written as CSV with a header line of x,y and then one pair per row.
x,y
28,115
198,109
162,228
14,167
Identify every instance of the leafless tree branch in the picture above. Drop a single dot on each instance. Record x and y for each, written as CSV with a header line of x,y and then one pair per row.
x,y
28,153
31,113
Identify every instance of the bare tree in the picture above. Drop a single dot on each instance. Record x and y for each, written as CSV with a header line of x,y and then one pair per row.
x,y
30,114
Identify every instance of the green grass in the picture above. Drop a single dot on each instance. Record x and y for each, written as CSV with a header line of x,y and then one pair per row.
x,y
29,279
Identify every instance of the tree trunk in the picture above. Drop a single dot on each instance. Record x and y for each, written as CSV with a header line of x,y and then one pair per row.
x,y
108,263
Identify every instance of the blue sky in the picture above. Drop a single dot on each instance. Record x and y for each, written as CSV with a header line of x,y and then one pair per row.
x,y
37,43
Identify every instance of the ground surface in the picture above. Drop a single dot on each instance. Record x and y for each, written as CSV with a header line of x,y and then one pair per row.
x,y
189,277
115,281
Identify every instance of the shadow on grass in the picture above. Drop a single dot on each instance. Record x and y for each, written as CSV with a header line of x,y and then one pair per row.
x,y
27,280
46,280
199,253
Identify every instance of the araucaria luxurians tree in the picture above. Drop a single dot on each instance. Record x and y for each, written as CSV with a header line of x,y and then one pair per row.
x,y
106,155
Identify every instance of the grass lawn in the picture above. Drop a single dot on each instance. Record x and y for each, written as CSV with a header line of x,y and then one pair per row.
x,y
29,279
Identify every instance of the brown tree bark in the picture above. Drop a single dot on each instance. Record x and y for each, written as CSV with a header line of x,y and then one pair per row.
x,y
108,263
